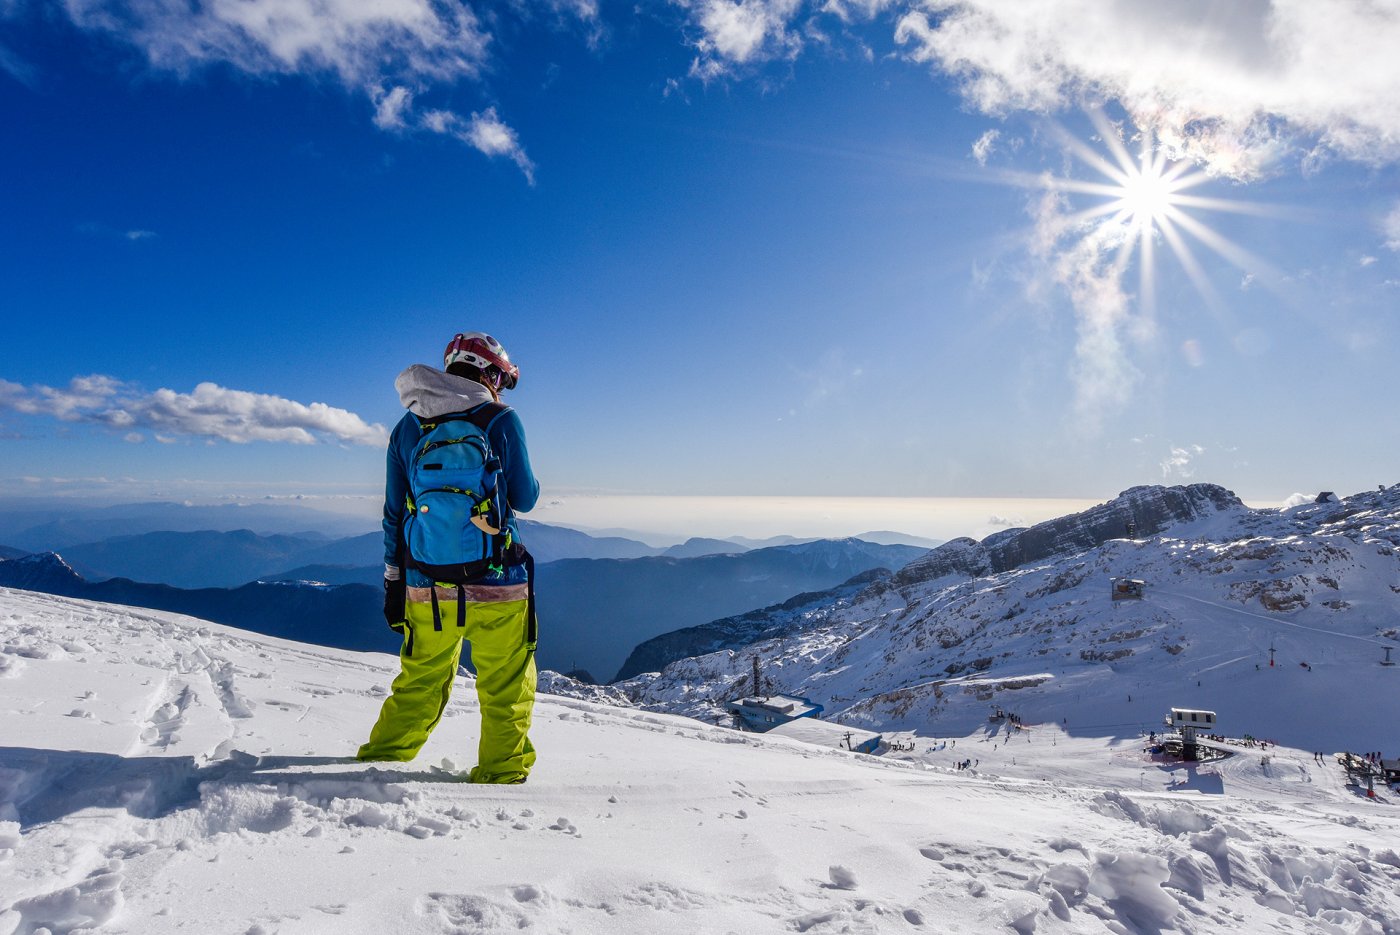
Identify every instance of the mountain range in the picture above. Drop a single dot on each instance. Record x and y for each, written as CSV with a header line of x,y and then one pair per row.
x,y
1256,613
222,558
593,610
345,617
63,524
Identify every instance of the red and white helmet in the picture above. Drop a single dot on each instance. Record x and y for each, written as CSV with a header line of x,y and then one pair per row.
x,y
483,352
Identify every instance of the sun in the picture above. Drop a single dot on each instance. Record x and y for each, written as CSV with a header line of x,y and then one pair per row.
x,y
1147,196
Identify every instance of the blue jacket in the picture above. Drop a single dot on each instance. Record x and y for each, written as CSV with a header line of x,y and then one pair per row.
x,y
430,393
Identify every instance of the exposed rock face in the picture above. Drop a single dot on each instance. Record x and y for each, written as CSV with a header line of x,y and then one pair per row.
x,y
1147,511
962,556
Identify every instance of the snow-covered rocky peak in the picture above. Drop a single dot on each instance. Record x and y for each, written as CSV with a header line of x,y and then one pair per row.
x,y
963,556
1135,513
45,571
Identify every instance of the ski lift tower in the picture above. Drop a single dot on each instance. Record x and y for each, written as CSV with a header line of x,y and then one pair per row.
x,y
1187,721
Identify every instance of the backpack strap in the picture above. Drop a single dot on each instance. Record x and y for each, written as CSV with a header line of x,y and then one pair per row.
x,y
481,416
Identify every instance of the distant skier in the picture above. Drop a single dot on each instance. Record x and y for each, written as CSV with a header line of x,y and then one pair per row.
x,y
454,568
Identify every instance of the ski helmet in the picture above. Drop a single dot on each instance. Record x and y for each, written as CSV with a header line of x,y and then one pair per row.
x,y
483,352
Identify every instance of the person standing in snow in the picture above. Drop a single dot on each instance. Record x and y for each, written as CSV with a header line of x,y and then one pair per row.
x,y
436,603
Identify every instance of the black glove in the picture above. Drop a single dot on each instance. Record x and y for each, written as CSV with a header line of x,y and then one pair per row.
x,y
395,593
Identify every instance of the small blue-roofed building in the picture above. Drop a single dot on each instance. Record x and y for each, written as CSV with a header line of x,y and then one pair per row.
x,y
762,713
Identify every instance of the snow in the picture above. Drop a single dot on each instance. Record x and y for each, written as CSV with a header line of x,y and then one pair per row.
x,y
823,733
209,789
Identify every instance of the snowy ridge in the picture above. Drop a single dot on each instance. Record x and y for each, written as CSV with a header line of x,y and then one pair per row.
x,y
160,774
1224,584
796,613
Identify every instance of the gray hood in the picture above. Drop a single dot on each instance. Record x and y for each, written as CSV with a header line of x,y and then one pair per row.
x,y
428,392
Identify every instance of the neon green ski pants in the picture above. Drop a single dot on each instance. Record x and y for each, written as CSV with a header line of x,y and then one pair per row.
x,y
505,686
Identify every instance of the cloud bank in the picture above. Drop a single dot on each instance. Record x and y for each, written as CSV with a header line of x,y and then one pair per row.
x,y
1235,86
210,411
1230,85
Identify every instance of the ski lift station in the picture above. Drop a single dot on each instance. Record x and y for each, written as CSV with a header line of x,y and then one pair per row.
x,y
1124,589
762,713
1188,721
828,734
1190,717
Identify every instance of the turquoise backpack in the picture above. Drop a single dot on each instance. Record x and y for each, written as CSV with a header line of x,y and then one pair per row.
x,y
455,528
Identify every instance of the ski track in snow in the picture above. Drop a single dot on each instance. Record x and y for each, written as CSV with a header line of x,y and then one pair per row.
x,y
161,774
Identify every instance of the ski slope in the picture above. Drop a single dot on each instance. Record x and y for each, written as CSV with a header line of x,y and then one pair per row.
x,y
159,774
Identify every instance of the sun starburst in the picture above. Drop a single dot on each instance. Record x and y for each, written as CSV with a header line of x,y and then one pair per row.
x,y
1142,200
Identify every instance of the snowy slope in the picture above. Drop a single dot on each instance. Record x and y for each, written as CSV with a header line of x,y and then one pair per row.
x,y
159,774
936,647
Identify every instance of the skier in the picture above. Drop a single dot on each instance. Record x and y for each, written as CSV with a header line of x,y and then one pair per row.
x,y
436,605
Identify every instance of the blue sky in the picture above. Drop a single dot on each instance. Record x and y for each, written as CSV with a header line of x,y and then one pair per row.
x,y
773,247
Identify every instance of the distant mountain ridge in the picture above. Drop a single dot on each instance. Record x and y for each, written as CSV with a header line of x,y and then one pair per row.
x,y
347,617
228,558
210,559
57,527
630,601
698,546
803,611
592,610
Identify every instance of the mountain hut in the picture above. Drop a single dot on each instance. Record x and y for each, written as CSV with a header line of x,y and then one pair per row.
x,y
762,713
1123,589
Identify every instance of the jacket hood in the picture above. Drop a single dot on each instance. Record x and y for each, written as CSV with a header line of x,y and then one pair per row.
x,y
428,392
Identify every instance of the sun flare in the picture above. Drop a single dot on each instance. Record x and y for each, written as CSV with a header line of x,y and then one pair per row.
x,y
1143,201
1147,196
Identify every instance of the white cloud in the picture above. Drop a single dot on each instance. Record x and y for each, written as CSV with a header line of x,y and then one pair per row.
x,y
1390,227
1083,262
1298,499
984,146
1366,260
210,411
360,43
1178,463
736,31
485,132
733,34
136,235
391,51
1229,85
390,107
